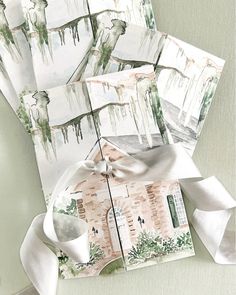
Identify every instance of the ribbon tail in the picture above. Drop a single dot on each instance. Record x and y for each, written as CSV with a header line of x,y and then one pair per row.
x,y
211,218
227,250
61,231
210,227
39,262
72,236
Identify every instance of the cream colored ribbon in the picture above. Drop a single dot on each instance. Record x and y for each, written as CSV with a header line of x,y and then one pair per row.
x,y
211,218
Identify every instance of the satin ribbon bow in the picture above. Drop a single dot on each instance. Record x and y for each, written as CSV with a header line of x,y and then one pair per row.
x,y
214,211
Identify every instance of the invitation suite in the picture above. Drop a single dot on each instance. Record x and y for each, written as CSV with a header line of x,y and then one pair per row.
x,y
132,222
115,109
94,82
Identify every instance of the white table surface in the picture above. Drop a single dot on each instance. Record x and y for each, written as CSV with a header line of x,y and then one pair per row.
x,y
208,24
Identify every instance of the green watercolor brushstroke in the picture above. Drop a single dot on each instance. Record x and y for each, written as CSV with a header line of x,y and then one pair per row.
x,y
113,267
157,111
148,14
96,254
41,29
7,35
23,115
207,99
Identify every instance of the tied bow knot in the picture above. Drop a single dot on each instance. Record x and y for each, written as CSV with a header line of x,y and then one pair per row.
x,y
123,168
105,167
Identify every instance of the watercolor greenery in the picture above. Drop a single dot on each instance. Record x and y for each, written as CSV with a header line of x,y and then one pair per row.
x,y
151,245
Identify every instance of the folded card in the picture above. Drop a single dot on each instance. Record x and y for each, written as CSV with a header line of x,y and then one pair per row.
x,y
133,223
186,76
137,224
65,122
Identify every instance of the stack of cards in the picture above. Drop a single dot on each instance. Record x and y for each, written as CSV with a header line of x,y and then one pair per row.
x,y
94,79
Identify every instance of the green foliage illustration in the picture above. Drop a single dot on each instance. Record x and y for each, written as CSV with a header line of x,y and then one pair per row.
x,y
150,245
70,209
23,114
69,267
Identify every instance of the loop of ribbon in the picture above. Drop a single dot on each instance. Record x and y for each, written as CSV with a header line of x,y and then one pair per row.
x,y
212,217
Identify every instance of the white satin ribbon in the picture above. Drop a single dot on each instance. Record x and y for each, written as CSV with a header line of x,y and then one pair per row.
x,y
214,209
